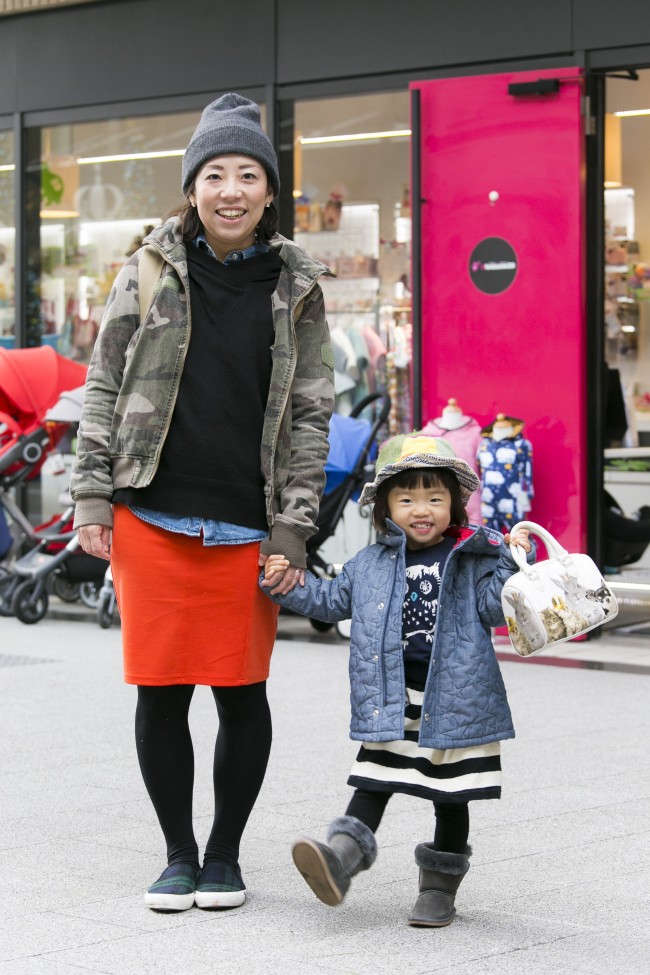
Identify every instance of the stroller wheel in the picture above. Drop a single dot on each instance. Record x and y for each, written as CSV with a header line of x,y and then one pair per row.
x,y
89,592
30,601
67,591
105,611
321,626
7,589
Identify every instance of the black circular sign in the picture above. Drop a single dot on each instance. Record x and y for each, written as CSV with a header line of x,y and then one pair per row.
x,y
493,265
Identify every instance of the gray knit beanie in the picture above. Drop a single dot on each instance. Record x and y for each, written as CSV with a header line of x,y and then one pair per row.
x,y
231,124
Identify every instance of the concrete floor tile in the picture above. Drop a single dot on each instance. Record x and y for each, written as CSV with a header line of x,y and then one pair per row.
x,y
50,963
35,933
79,841
47,893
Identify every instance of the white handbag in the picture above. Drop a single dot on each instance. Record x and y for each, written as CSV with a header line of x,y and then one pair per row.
x,y
553,600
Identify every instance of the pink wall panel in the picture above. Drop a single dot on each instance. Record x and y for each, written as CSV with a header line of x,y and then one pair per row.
x,y
521,351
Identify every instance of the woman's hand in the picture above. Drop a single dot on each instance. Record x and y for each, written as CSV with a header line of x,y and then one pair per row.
x,y
520,537
279,572
95,540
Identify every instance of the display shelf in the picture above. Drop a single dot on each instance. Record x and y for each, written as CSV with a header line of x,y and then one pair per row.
x,y
351,251
619,213
626,453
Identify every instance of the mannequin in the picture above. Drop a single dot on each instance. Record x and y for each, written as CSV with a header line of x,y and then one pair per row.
x,y
505,460
503,427
464,434
452,416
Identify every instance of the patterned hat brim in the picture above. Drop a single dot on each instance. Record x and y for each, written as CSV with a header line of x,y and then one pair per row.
x,y
466,477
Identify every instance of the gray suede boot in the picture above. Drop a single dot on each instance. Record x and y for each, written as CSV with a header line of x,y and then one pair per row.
x,y
440,877
328,869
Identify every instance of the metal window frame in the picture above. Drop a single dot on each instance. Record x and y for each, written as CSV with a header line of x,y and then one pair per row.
x,y
416,258
595,299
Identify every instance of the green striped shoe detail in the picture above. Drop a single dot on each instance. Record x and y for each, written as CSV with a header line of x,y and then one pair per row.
x,y
175,888
220,886
220,878
183,884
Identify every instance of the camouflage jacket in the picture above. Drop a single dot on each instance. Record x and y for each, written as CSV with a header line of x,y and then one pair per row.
x,y
135,373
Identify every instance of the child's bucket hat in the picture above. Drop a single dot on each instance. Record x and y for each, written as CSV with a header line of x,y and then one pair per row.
x,y
412,450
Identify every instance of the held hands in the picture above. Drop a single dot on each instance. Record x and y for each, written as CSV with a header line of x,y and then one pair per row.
x,y
95,540
279,572
520,537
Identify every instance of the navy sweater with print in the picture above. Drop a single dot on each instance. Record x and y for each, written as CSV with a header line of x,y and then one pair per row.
x,y
210,462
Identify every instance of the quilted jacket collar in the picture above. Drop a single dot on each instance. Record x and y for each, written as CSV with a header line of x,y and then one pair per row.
x,y
481,540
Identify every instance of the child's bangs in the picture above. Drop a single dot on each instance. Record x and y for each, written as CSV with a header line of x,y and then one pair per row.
x,y
424,477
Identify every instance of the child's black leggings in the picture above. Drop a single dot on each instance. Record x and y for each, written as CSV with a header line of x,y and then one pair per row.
x,y
166,759
452,818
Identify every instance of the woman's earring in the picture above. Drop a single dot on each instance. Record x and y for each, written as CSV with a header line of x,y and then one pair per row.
x,y
268,205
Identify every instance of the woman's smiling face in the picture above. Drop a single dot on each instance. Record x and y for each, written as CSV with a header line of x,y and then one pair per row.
x,y
230,193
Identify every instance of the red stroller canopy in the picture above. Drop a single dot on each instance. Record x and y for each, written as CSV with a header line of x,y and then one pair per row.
x,y
31,381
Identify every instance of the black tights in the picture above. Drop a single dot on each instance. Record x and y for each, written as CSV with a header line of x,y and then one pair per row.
x,y
452,818
166,758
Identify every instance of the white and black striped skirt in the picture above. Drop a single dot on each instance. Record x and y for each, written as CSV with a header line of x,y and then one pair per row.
x,y
442,775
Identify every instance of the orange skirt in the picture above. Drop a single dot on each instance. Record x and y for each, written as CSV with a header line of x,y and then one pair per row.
x,y
191,614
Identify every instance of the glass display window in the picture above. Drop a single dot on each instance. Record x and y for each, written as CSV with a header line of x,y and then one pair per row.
x,y
627,261
103,187
98,189
352,211
627,325
7,239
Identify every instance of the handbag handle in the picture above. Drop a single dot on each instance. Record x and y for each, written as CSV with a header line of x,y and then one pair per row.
x,y
555,550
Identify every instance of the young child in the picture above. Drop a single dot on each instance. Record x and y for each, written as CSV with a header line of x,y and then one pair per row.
x,y
428,700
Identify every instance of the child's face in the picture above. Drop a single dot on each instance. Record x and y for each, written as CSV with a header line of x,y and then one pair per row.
x,y
422,513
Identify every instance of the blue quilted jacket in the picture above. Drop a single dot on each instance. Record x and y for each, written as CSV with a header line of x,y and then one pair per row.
x,y
465,699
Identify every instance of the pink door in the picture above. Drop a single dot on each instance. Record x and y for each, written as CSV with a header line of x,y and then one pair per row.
x,y
502,270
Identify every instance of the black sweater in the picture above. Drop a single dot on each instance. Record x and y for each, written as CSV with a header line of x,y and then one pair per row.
x,y
210,461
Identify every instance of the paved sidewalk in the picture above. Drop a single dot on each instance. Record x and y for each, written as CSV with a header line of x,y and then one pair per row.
x,y
560,877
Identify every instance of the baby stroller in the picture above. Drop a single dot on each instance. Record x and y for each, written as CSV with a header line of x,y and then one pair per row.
x,y
29,385
57,563
31,382
353,447
349,465
38,559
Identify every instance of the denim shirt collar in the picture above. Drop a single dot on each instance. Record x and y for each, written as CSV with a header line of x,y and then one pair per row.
x,y
234,256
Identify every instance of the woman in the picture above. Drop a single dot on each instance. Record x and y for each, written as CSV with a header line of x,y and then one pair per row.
x,y
201,452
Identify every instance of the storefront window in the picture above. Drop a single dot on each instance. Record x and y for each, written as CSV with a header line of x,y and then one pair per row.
x,y
103,186
627,321
352,211
7,240
627,258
